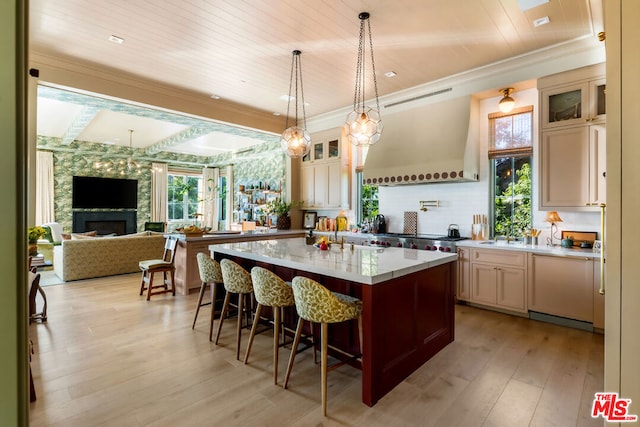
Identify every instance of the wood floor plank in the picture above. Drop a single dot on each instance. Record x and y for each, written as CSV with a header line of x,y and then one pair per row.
x,y
108,357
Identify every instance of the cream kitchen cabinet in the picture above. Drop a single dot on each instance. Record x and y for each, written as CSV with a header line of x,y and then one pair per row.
x,y
463,288
598,298
581,102
572,168
562,286
322,186
499,279
325,176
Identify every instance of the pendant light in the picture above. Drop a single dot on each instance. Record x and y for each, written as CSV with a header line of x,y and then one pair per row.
x,y
295,140
507,103
131,165
364,125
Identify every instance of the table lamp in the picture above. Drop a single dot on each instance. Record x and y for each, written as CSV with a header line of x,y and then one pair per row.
x,y
553,218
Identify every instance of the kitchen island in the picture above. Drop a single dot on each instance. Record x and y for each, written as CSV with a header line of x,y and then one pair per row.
x,y
407,295
187,276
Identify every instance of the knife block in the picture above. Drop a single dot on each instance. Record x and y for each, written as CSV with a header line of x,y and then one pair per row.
x,y
479,231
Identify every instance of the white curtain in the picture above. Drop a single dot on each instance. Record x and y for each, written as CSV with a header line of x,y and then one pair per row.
x,y
230,187
210,177
159,192
44,188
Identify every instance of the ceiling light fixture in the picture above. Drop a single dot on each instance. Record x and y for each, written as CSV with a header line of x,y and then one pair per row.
x,y
507,103
295,140
116,39
364,125
131,165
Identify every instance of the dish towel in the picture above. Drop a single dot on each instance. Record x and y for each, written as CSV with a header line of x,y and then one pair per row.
x,y
410,223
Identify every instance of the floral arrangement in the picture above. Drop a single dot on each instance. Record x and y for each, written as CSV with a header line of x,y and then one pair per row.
x,y
34,233
280,207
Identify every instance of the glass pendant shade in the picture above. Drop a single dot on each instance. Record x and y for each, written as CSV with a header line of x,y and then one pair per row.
x,y
507,103
363,125
295,140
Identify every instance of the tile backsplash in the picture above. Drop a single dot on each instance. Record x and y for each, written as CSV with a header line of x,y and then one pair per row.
x,y
458,203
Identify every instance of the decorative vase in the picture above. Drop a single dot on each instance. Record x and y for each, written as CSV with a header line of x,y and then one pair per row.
x,y
33,248
283,222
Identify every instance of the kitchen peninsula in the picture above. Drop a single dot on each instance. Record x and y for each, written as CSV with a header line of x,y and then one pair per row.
x,y
187,276
407,295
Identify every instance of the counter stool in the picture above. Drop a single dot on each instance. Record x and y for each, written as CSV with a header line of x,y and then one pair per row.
x,y
210,274
164,266
270,291
315,303
236,280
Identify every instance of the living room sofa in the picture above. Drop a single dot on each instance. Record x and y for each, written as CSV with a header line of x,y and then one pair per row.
x,y
89,257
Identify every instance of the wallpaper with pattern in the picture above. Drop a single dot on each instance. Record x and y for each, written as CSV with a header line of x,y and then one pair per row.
x,y
264,163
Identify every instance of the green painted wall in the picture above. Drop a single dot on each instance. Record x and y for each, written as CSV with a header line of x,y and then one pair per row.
x,y
13,355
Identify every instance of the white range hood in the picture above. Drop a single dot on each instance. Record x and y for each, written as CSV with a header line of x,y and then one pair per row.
x,y
432,143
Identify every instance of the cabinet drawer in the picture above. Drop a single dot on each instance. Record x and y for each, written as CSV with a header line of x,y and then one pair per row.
x,y
498,257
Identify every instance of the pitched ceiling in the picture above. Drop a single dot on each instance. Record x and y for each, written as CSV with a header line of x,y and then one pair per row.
x,y
241,51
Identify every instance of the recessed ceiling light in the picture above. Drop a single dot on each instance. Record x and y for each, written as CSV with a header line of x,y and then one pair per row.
x,y
214,96
275,113
116,39
390,74
287,98
541,21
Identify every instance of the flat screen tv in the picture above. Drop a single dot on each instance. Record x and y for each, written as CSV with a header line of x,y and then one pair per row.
x,y
112,193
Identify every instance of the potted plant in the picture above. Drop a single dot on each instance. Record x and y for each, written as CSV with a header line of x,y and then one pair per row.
x,y
33,234
281,209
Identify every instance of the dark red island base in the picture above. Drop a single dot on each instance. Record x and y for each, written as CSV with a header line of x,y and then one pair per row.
x,y
406,320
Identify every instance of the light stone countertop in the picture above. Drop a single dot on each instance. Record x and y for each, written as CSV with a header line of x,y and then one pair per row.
x,y
537,249
363,264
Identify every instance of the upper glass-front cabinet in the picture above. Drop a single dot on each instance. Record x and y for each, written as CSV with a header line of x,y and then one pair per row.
x,y
323,150
579,103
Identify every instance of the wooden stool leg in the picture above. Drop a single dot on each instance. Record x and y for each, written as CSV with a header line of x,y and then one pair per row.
x,y
43,315
276,339
252,334
239,330
142,288
225,307
150,286
214,286
324,338
294,349
202,288
173,282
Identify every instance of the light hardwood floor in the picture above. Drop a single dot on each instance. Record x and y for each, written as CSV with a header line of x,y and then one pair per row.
x,y
108,357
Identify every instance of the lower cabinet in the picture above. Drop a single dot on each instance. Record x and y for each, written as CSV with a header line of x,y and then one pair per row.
x,y
463,282
562,286
519,281
598,298
498,279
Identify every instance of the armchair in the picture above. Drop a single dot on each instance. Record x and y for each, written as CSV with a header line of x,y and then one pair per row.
x,y
53,237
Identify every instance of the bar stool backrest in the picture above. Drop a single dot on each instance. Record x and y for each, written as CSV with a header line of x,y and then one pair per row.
x,y
270,290
316,303
209,269
235,278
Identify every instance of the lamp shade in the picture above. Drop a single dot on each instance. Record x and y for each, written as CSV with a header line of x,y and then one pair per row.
x,y
552,217
507,103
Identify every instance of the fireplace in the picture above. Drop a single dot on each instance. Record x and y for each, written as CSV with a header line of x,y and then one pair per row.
x,y
105,222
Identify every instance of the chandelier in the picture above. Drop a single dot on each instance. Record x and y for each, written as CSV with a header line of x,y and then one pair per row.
x,y
295,140
364,125
121,167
